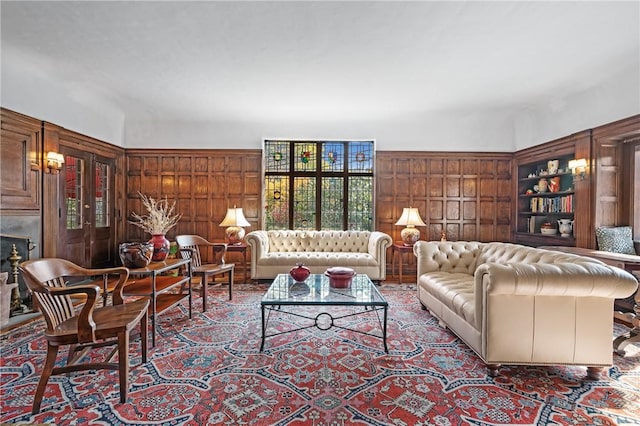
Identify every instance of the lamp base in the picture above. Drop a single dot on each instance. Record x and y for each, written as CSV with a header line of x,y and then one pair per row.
x,y
235,235
410,235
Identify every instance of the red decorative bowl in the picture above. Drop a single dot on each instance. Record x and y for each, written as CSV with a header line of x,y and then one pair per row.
x,y
340,277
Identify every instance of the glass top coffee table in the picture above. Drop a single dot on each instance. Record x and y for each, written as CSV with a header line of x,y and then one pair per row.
x,y
287,296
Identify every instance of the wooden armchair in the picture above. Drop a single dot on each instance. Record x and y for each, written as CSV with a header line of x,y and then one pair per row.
x,y
87,326
194,247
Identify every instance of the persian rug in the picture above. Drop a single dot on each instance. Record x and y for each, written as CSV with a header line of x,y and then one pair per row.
x,y
208,370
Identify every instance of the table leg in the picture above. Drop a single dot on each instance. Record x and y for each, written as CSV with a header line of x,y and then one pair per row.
x,y
204,281
244,264
384,330
393,262
264,326
231,283
401,265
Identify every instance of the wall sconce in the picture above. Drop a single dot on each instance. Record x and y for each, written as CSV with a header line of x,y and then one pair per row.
x,y
234,220
578,168
54,162
410,218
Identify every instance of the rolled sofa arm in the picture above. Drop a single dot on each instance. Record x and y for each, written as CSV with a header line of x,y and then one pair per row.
x,y
561,279
259,242
378,244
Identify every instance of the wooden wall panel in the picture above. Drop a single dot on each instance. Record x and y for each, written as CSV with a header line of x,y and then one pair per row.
x,y
20,163
204,183
611,174
467,198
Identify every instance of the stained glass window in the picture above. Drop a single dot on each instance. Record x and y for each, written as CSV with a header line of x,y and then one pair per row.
x,y
73,191
102,195
318,185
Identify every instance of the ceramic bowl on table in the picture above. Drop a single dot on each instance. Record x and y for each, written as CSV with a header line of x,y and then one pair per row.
x,y
340,277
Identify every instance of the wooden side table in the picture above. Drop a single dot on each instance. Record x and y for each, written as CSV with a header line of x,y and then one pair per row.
x,y
159,288
242,249
399,248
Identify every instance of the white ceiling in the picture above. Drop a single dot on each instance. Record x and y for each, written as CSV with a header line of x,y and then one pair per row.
x,y
203,60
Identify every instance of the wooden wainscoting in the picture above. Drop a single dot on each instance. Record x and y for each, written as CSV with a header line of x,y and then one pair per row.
x,y
467,195
204,183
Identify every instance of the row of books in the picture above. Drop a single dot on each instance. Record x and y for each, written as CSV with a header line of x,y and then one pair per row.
x,y
552,205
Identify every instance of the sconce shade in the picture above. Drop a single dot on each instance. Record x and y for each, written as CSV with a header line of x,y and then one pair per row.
x,y
578,168
234,221
54,162
576,164
410,218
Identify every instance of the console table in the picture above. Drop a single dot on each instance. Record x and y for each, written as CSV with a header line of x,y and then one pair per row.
x,y
629,263
160,288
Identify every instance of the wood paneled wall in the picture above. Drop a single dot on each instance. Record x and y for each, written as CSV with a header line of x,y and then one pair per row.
x,y
469,195
21,163
204,183
470,198
612,173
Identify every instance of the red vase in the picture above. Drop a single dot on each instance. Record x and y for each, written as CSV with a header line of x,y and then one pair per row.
x,y
160,247
299,273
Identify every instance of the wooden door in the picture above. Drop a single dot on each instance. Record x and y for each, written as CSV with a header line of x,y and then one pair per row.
x,y
87,212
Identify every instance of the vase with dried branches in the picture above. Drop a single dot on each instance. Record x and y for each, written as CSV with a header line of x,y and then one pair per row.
x,y
160,218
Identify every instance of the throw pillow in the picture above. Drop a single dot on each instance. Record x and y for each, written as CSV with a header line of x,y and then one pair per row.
x,y
615,240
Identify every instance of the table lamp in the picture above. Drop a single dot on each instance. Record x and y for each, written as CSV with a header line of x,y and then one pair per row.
x,y
234,221
410,219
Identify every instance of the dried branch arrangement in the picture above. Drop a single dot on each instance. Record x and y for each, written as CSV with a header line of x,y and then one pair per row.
x,y
160,218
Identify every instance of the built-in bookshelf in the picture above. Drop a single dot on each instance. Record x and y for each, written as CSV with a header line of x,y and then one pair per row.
x,y
546,194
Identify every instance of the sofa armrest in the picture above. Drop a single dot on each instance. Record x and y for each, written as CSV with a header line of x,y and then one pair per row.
x,y
258,241
378,244
564,279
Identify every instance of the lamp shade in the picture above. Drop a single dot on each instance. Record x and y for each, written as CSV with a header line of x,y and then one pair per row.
x,y
234,221
410,216
410,219
234,217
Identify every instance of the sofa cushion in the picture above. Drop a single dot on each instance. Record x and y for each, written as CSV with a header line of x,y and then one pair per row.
x,y
289,259
453,289
617,239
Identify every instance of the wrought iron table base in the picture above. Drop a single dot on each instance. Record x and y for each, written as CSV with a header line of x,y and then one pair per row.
x,y
326,324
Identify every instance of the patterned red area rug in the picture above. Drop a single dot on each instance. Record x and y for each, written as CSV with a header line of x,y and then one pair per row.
x,y
208,370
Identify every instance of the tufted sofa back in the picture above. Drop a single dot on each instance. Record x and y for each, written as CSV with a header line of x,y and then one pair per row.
x,y
447,256
514,253
466,256
319,241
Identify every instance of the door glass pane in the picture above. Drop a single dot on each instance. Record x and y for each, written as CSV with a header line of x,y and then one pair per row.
x,y
73,191
332,203
102,195
304,203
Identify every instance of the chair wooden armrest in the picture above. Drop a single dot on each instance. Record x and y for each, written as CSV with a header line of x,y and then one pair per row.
x,y
86,325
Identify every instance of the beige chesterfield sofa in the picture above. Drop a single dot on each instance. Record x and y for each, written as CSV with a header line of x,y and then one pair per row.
x,y
276,252
514,304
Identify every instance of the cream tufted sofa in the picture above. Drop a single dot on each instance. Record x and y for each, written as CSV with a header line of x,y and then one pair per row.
x,y
514,304
276,252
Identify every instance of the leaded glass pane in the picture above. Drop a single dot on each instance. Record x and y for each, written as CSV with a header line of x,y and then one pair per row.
x,y
304,203
360,203
276,156
73,191
102,195
361,157
332,157
304,156
276,195
332,203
